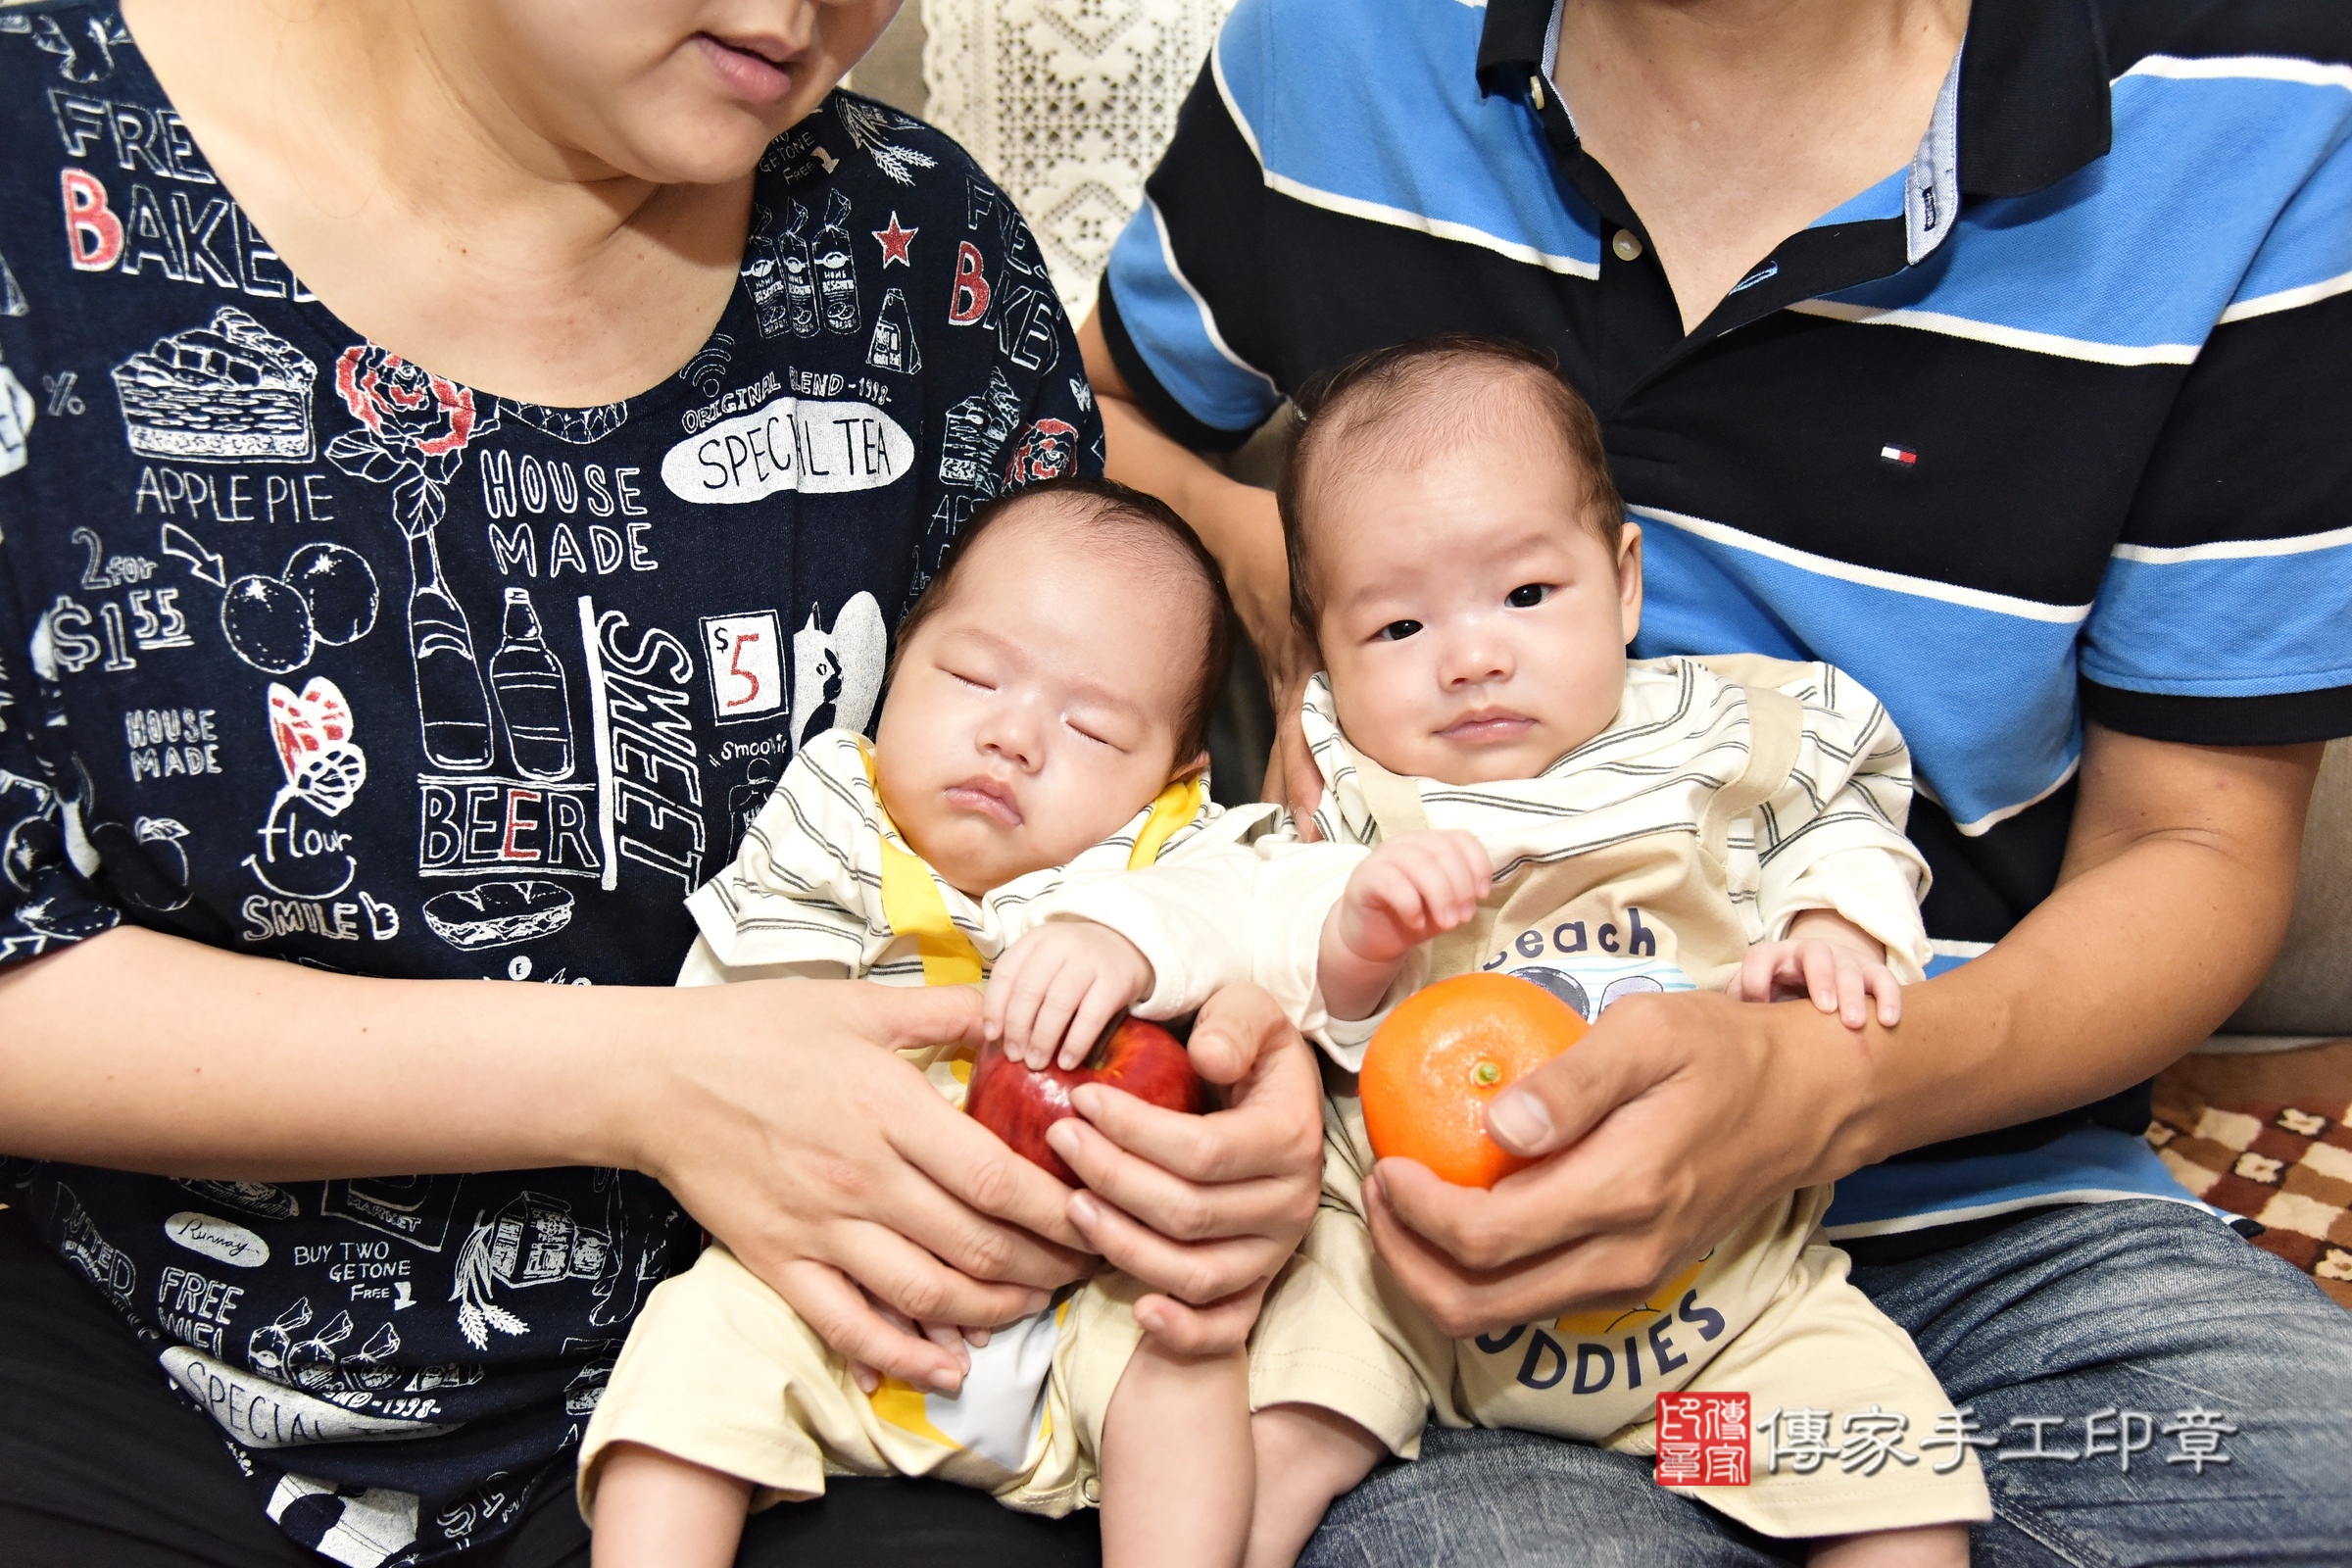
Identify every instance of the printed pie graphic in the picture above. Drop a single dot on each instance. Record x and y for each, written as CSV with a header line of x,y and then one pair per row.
x,y
497,915
230,391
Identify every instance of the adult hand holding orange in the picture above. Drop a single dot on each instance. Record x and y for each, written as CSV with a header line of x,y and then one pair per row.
x,y
1443,1054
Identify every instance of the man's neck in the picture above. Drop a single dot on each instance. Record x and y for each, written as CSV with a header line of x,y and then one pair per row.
x,y
1730,124
1709,59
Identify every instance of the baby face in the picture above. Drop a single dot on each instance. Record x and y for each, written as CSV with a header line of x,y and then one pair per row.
x,y
1036,709
1473,624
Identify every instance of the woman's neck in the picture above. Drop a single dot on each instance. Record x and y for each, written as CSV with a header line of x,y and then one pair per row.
x,y
428,201
401,103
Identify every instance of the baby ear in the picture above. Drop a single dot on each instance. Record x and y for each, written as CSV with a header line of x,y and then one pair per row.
x,y
1192,769
1628,579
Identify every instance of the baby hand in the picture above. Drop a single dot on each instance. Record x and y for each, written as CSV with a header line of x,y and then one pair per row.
x,y
1828,959
1056,989
1411,888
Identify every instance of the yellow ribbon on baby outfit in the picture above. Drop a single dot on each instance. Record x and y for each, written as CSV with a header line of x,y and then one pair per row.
x,y
1172,808
912,904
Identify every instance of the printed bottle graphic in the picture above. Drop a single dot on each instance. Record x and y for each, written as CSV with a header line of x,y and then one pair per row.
x,y
893,346
976,431
763,276
800,284
836,271
533,697
451,704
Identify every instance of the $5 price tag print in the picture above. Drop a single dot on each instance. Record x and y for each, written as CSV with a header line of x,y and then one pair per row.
x,y
745,654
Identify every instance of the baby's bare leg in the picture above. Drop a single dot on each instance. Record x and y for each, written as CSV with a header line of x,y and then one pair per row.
x,y
1176,1460
1927,1546
654,1509
1307,1457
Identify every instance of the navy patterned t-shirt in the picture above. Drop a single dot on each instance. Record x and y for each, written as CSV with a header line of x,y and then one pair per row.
x,y
309,654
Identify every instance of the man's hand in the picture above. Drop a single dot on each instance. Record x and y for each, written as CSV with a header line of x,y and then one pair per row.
x,y
1679,1113
1292,780
1056,989
1672,1119
1410,889
1242,527
1205,1208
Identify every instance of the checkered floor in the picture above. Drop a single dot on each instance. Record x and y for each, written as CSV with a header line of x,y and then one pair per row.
x,y
2267,1136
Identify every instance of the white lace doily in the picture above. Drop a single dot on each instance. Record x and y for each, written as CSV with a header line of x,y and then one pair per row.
x,y
1067,103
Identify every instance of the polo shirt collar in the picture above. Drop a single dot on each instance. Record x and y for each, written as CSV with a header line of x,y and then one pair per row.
x,y
2029,108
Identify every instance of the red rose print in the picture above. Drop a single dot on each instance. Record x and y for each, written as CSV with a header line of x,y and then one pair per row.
x,y
404,405
1044,451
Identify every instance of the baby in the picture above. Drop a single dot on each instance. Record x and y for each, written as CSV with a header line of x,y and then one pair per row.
x,y
1042,726
1505,791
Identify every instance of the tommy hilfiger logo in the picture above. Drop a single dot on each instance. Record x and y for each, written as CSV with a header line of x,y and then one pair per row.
x,y
1900,457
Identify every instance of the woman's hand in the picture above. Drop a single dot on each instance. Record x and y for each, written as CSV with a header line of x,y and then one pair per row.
x,y
792,1132
1205,1208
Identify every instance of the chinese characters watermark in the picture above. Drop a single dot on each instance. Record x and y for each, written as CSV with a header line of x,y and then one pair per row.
x,y
1702,1440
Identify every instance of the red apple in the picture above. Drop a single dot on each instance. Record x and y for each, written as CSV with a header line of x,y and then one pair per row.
x,y
1018,1102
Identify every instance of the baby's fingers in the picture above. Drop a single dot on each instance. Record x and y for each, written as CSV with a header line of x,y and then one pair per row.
x,y
1452,873
1025,996
997,1000
1476,865
1760,972
1748,981
1817,961
1390,890
1880,982
1853,990
1100,1003
1055,1010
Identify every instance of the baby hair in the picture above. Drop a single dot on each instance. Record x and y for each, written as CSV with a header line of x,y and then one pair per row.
x,y
1414,396
1104,515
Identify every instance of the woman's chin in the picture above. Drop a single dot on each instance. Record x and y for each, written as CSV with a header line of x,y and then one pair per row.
x,y
722,143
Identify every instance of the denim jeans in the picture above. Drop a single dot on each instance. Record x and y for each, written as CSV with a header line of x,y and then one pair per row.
x,y
2112,1309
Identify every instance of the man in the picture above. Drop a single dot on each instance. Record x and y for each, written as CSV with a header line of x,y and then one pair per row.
x,y
1999,356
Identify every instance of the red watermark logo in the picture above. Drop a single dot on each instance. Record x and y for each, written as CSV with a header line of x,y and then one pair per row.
x,y
1702,1440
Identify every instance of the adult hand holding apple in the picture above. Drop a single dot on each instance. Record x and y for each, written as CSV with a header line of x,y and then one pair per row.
x,y
785,1122
1204,1209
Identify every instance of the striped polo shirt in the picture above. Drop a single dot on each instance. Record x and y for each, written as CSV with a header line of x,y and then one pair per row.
x,y
2052,421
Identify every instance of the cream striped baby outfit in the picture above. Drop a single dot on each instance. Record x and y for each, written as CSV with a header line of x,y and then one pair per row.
x,y
1727,796
718,1369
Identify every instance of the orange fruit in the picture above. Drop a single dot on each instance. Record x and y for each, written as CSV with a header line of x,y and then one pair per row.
x,y
1445,1053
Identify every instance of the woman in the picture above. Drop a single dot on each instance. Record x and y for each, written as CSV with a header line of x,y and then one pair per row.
x,y
480,438
1905,361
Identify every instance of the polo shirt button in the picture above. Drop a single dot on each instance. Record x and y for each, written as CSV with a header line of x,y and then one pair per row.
x,y
1627,244
1094,1491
